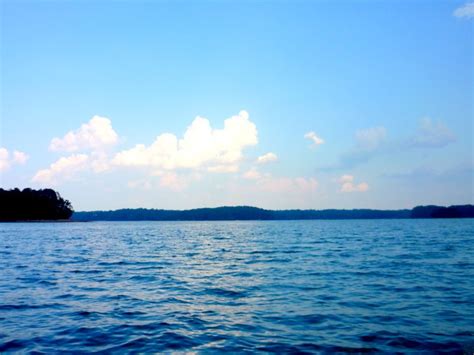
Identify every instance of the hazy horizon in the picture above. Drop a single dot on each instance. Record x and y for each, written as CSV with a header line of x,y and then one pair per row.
x,y
277,105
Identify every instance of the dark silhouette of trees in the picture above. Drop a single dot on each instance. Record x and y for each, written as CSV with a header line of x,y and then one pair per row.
x,y
47,204
27,205
233,213
461,211
254,213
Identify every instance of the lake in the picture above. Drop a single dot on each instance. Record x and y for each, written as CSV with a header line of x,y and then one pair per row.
x,y
277,286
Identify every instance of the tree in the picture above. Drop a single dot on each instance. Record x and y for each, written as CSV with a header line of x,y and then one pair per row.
x,y
29,204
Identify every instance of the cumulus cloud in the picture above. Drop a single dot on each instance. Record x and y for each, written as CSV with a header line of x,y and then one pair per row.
x,y
267,158
216,150
432,134
64,167
7,159
94,135
314,138
465,11
201,148
348,185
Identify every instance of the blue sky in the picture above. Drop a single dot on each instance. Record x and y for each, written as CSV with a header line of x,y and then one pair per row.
x,y
301,104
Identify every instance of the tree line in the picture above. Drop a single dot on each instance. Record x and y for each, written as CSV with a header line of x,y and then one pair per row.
x,y
254,213
47,204
30,205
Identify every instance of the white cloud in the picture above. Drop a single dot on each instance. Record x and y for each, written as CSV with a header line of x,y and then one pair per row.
x,y
370,139
201,148
64,167
99,162
432,134
7,159
4,159
231,168
348,185
173,181
217,150
465,11
314,138
19,157
252,174
94,135
267,158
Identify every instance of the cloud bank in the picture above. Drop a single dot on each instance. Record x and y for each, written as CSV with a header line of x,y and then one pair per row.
x,y
202,147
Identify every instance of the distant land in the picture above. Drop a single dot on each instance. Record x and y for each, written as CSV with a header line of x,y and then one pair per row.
x,y
48,205
254,213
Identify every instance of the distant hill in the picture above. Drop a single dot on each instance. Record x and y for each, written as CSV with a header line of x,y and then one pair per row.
x,y
28,205
254,213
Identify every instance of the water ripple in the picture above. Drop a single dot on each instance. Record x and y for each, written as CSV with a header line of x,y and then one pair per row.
x,y
280,287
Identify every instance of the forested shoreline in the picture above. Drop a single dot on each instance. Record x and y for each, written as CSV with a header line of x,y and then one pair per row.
x,y
47,205
253,213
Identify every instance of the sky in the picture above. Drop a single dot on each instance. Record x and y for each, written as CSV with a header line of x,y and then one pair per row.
x,y
274,104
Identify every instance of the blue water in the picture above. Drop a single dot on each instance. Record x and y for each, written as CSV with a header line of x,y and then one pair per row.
x,y
278,286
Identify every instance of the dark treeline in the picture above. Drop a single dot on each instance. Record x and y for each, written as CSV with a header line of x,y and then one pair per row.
x,y
463,211
28,205
47,204
254,213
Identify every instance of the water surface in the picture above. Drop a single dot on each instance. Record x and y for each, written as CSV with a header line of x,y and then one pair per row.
x,y
278,286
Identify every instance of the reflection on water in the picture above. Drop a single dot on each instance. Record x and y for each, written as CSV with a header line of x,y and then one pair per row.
x,y
278,286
